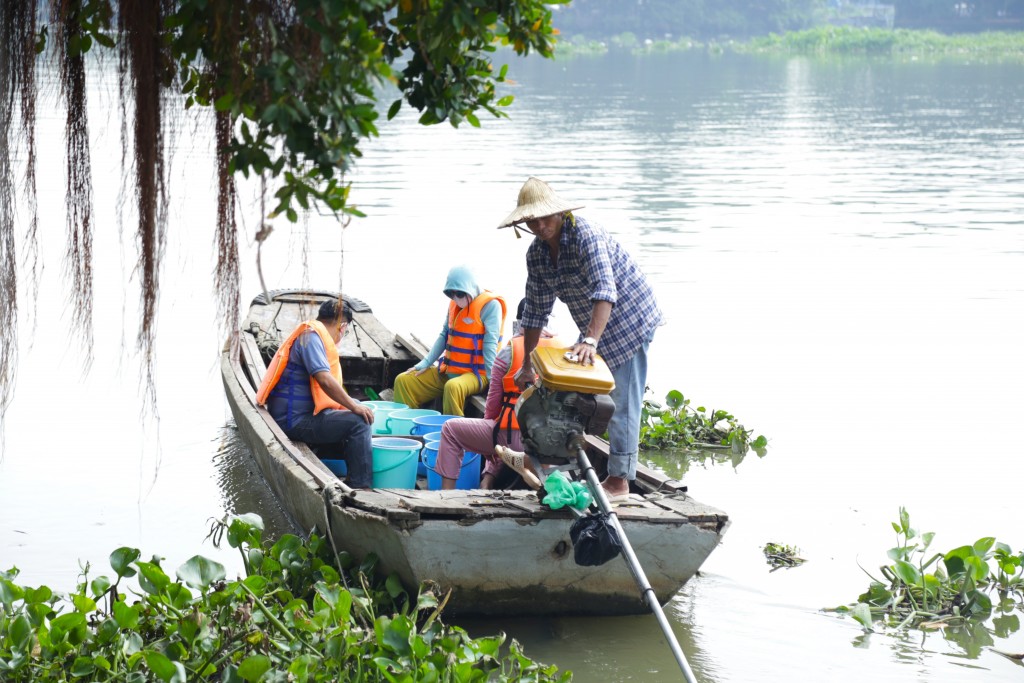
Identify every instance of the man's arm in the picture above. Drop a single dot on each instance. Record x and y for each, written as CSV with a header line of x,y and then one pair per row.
x,y
337,392
599,316
526,376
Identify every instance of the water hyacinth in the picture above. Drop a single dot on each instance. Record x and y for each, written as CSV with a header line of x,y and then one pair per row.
x,y
951,590
302,613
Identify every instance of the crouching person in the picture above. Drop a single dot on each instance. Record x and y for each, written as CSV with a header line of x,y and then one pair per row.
x,y
495,436
302,389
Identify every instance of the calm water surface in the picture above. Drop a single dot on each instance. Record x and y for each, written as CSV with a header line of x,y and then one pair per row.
x,y
838,247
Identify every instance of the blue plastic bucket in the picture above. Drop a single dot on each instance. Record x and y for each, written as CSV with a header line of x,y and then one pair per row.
x,y
381,411
339,467
426,424
469,475
394,463
399,422
429,438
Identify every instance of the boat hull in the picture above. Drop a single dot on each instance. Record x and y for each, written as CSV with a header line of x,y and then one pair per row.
x,y
494,552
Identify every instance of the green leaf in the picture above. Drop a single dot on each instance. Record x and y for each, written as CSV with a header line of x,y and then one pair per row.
x,y
394,108
122,558
37,595
100,585
152,578
199,572
82,666
10,592
20,632
301,667
224,102
396,635
252,668
907,573
394,586
83,603
983,545
164,668
126,616
862,615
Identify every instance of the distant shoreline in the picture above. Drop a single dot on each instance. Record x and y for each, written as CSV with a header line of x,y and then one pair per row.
x,y
824,41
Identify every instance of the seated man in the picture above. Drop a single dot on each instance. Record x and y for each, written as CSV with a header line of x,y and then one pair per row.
x,y
302,390
464,350
498,427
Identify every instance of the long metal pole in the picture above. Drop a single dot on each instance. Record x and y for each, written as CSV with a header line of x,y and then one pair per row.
x,y
634,565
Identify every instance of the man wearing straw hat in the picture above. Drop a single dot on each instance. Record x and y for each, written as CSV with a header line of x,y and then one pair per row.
x,y
610,300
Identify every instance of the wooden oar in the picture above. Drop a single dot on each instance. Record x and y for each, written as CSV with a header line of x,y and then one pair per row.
x,y
634,564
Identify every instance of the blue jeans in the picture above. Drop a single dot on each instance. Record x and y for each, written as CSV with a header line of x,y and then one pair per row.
x,y
624,427
342,434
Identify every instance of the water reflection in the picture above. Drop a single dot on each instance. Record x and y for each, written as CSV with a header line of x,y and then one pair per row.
x,y
677,463
606,648
242,486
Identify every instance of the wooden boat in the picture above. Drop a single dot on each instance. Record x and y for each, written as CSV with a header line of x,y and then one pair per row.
x,y
498,552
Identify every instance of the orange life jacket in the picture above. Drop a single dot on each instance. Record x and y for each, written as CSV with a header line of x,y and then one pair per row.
x,y
277,364
464,351
510,392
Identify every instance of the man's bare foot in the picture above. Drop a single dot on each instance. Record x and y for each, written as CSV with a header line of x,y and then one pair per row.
x,y
615,487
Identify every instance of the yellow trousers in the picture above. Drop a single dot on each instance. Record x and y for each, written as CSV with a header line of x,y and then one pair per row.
x,y
414,390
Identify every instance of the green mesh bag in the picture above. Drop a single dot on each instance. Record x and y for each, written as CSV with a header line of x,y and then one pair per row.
x,y
561,492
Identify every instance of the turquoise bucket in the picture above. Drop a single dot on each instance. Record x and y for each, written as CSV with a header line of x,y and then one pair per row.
x,y
469,475
381,411
421,426
394,463
399,422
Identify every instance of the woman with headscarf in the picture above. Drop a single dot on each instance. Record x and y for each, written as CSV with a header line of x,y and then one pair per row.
x,y
464,350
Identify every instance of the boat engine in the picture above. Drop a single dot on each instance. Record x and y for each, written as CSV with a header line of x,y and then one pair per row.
x,y
569,401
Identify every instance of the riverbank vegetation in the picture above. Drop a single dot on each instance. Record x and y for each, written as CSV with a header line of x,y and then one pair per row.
x,y
677,425
301,613
846,40
934,590
822,42
722,20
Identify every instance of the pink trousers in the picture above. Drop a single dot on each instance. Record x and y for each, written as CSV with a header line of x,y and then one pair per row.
x,y
471,434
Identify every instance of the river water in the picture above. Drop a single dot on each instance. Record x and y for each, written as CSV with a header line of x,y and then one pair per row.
x,y
838,248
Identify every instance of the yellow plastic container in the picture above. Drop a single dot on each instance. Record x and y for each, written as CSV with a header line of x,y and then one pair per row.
x,y
558,373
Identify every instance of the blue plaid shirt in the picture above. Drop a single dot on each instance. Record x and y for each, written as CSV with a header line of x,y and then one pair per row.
x,y
592,266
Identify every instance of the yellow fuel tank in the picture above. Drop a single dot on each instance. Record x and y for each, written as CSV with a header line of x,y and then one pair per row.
x,y
558,373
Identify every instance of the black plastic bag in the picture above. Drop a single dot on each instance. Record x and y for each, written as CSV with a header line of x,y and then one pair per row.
x,y
594,540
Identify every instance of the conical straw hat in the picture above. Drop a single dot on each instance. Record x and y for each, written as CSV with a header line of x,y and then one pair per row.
x,y
536,200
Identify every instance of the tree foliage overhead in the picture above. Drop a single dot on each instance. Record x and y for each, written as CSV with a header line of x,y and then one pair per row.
x,y
293,86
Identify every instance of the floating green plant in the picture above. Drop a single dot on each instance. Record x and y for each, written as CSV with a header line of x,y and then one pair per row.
x,y
941,590
677,425
302,613
781,556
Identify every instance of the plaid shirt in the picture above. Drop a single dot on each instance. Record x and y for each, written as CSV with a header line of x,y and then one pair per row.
x,y
592,266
